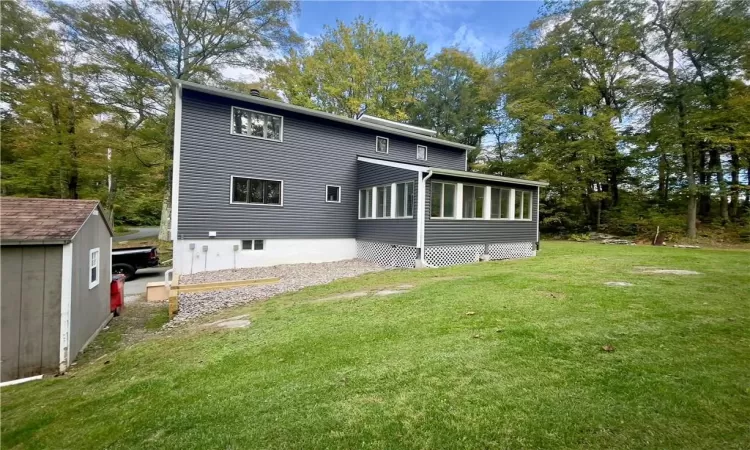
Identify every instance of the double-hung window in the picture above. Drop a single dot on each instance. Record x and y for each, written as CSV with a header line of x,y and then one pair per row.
x,y
256,124
500,201
405,199
473,202
443,200
365,203
93,267
256,191
523,205
383,205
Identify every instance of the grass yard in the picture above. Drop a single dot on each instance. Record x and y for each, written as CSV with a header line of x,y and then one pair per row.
x,y
414,370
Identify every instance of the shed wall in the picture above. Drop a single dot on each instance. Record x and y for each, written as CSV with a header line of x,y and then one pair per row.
x,y
89,307
30,310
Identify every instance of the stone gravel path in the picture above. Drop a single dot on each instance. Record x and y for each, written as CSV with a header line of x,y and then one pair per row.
x,y
293,278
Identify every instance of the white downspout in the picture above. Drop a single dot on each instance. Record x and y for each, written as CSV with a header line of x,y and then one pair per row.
x,y
421,219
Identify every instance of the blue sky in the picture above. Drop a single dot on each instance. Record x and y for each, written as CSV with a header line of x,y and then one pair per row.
x,y
474,26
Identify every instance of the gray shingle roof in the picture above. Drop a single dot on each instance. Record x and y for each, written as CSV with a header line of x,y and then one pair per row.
x,y
42,219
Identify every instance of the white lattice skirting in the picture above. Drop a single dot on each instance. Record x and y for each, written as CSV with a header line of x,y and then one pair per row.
x,y
388,255
449,255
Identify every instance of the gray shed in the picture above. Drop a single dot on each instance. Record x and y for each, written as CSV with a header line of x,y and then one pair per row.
x,y
56,266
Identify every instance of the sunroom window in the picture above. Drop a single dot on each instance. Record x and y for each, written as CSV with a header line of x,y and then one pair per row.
x,y
523,205
383,207
404,199
473,202
365,203
443,200
500,201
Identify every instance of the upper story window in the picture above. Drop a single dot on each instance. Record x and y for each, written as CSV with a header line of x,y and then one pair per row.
x,y
422,152
473,204
523,205
256,124
381,144
257,191
443,200
500,203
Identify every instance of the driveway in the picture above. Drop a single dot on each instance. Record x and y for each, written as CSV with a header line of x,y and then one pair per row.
x,y
136,287
138,234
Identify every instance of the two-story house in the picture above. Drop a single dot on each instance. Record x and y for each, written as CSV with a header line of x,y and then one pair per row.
x,y
258,182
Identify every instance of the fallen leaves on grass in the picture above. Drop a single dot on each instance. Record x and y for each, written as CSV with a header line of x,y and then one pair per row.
x,y
608,348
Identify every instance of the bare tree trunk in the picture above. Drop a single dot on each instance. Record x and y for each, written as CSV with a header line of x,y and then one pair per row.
x,y
663,179
735,190
719,171
73,150
704,176
689,170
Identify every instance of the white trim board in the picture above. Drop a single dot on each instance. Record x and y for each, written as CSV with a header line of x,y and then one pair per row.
x,y
176,163
397,165
66,298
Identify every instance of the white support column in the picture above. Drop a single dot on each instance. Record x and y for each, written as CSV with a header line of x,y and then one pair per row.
x,y
420,207
66,298
175,207
512,204
374,195
393,200
458,203
487,202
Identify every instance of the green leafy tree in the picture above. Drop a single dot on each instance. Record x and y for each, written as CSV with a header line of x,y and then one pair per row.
x,y
353,65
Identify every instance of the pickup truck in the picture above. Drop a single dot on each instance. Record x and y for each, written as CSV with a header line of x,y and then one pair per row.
x,y
127,261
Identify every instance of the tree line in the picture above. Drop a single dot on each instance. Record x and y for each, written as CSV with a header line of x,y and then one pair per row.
x,y
637,113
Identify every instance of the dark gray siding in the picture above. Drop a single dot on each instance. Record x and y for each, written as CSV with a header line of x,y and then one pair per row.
x,y
314,153
393,231
457,232
30,310
89,307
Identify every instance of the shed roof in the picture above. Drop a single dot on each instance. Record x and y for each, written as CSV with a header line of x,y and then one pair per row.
x,y
43,220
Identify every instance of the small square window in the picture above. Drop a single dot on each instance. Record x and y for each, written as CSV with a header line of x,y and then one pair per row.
x,y
422,152
253,244
381,145
333,194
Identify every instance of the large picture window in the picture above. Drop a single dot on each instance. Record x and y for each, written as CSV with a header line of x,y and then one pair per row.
x,y
443,200
256,191
500,201
473,204
256,124
404,199
523,205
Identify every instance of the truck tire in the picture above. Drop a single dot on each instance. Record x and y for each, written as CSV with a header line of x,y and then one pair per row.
x,y
124,269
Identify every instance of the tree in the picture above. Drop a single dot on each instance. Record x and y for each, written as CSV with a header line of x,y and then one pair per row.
x,y
355,65
460,98
144,47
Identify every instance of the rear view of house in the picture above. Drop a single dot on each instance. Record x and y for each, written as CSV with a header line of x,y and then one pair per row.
x,y
55,282
258,182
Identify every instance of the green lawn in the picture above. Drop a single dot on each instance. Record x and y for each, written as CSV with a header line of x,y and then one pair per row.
x,y
526,370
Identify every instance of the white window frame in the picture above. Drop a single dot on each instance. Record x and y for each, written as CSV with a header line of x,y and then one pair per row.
x,y
484,200
425,153
394,201
252,245
95,264
339,196
387,145
281,130
509,208
231,191
387,209
523,193
369,194
442,203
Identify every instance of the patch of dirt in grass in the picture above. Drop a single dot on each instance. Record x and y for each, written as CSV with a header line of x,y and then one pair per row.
x,y
139,321
665,271
401,289
618,284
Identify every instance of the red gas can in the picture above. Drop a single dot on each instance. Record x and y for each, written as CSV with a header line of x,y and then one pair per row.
x,y
117,294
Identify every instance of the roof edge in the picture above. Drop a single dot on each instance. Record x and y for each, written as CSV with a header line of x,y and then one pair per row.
x,y
315,113
482,176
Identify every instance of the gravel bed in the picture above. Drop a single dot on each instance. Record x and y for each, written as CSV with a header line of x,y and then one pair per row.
x,y
293,277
